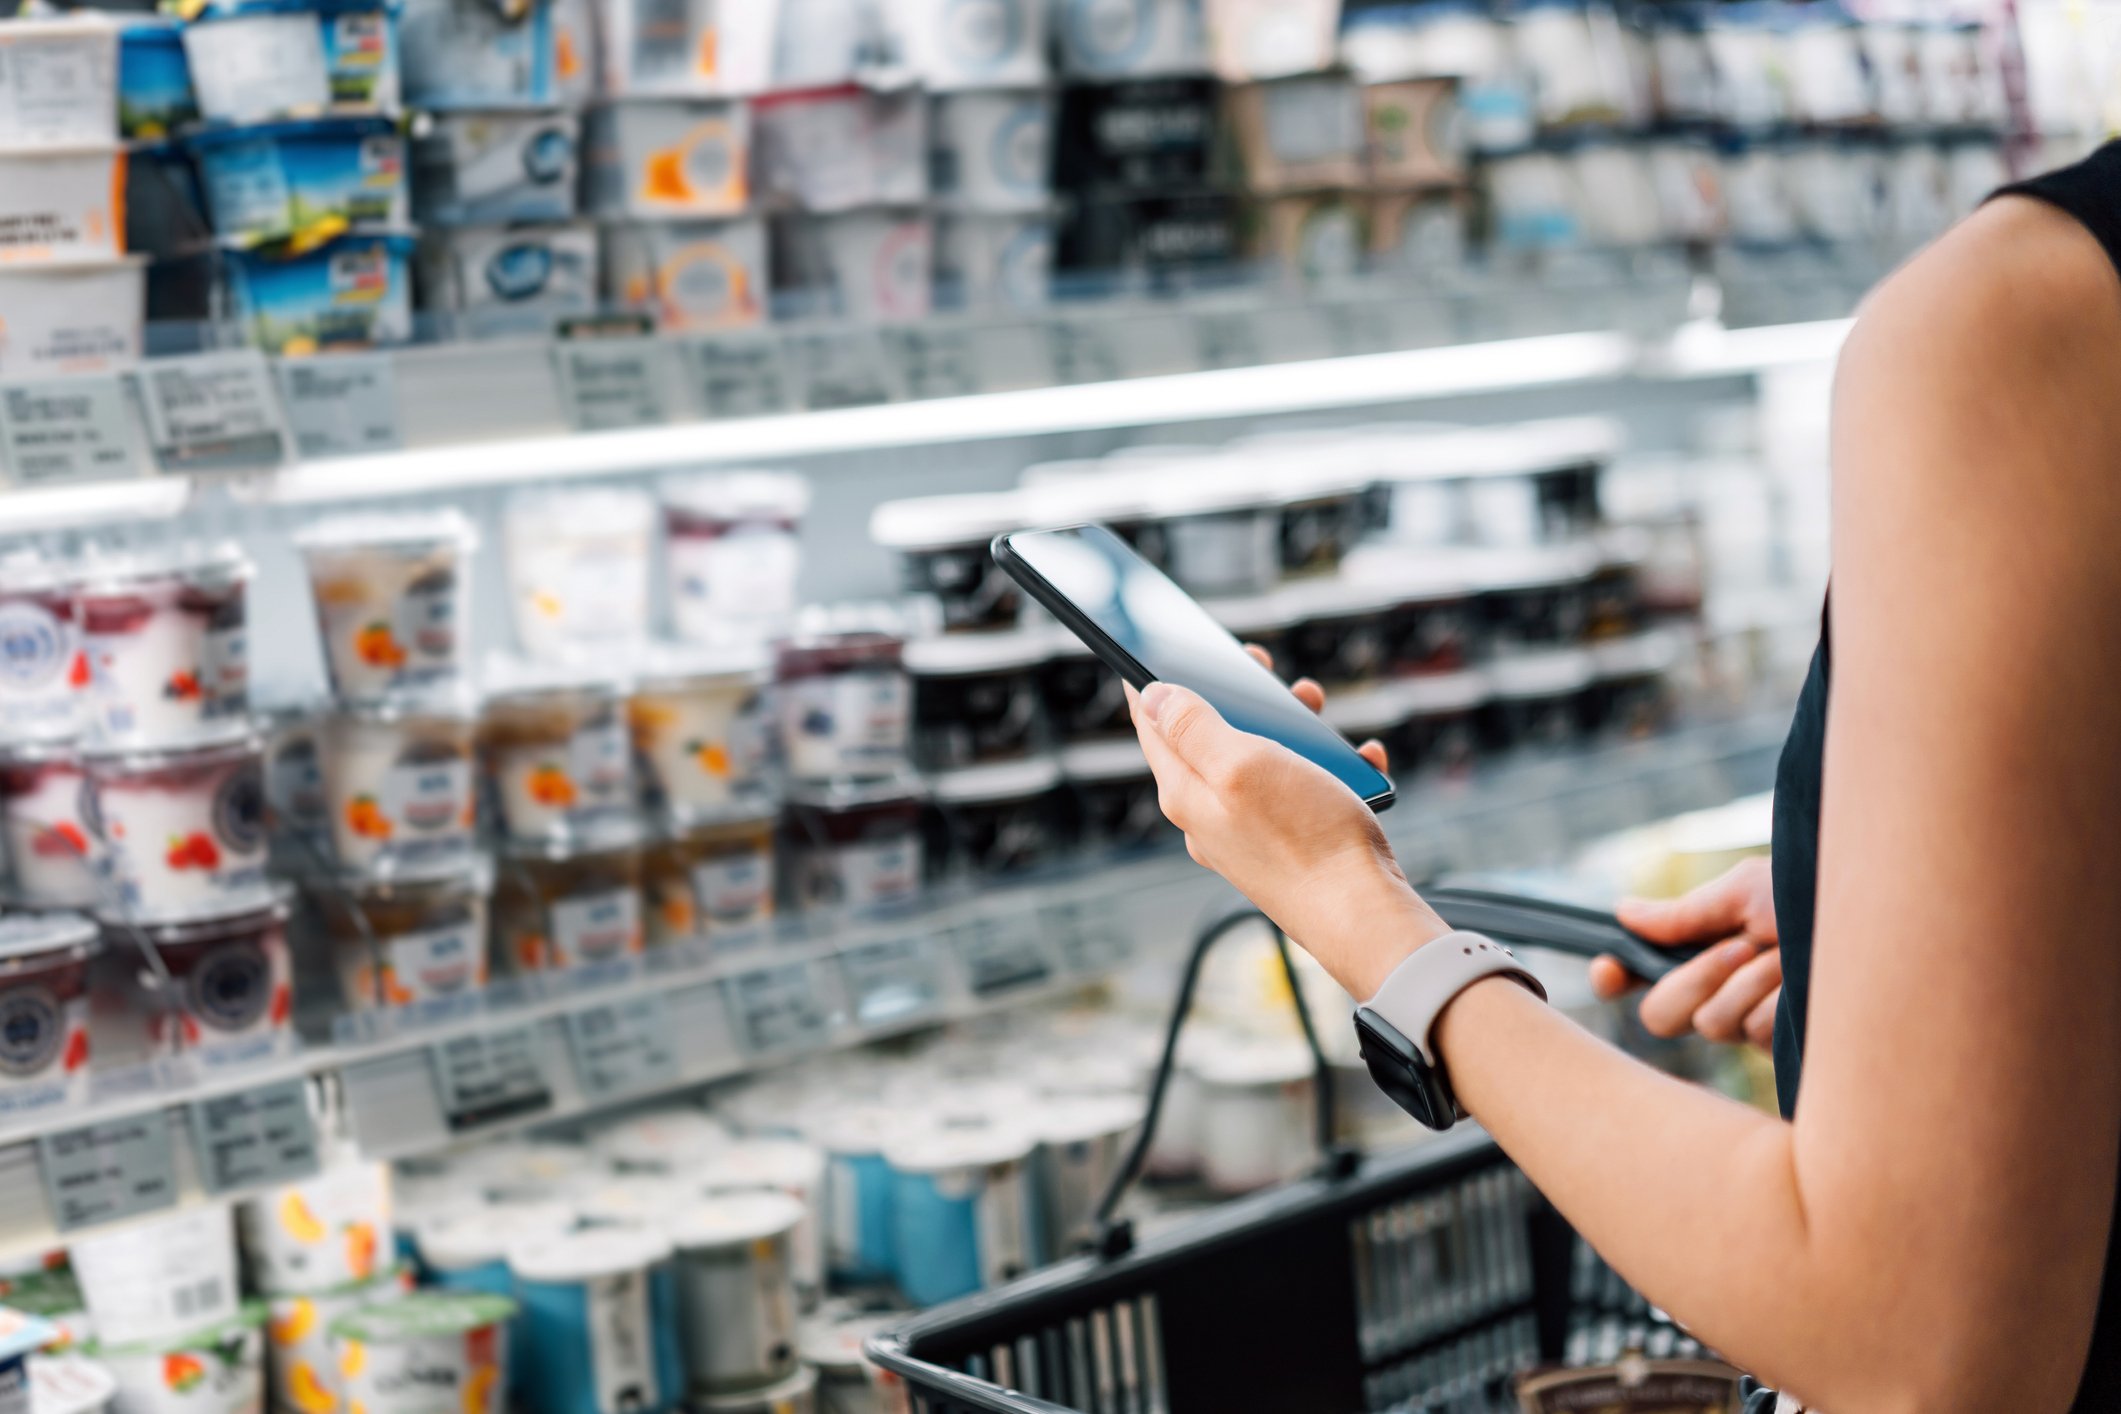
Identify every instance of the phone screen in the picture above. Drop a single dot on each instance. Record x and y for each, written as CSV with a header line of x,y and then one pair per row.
x,y
1096,585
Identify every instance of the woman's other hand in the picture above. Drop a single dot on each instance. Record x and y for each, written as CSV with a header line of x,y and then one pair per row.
x,y
1729,993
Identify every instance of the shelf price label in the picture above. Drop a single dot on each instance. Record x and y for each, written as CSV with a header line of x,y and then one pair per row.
x,y
99,1173
1226,339
343,405
612,383
255,1138
739,377
490,1076
891,980
212,412
778,1009
1001,956
1083,351
622,1049
935,363
57,431
841,370
1087,936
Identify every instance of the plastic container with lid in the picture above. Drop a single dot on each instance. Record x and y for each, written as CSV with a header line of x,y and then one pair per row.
x,y
1537,701
41,667
495,168
975,697
701,731
1441,727
962,1209
943,546
1125,39
301,1366
70,1384
1320,488
1256,1106
155,95
399,785
467,1249
1429,621
392,606
859,1238
1221,526
218,1368
431,1353
798,1394
598,1329
182,831
555,744
736,1289
1341,634
578,566
1002,818
165,638
795,1168
1532,599
44,1004
258,63
1113,795
853,847
1083,699
410,940
665,157
712,882
731,549
843,705
45,819
1082,1141
831,1343
1632,696
664,1141
231,980
162,1278
556,908
993,150
281,180
976,44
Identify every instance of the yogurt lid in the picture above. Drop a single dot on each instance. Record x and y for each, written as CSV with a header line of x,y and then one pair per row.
x,y
221,562
27,572
661,1137
1105,494
469,872
834,1342
586,1255
424,1315
403,530
1207,486
269,906
1115,760
1361,712
40,753
483,1233
579,510
737,495
764,1163
228,741
1499,571
451,704
946,522
957,1146
791,1393
960,654
1079,1119
733,1219
506,676
1637,655
620,834
248,1321
857,795
671,665
1002,780
1541,674
1252,613
1243,1062
1434,693
21,1333
635,1200
865,1129
1340,596
29,934
1409,578
68,1384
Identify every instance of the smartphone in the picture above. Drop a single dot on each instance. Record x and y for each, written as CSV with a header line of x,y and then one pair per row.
x,y
1147,629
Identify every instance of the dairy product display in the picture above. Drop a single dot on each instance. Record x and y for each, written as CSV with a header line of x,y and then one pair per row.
x,y
181,830
167,646
390,601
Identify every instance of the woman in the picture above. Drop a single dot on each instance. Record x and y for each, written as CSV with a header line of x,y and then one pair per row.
x,y
1928,1227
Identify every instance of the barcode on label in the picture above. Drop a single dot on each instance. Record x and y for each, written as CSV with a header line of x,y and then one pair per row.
x,y
197,1297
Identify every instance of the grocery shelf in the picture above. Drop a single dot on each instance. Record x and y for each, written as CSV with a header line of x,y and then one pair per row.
x,y
682,1018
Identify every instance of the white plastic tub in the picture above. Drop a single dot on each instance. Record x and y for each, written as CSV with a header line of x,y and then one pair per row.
x,y
71,319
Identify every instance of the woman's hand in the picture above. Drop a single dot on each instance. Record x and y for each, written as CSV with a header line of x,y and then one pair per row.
x,y
1729,992
1291,837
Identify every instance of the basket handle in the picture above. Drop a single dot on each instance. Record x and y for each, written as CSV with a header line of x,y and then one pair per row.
x,y
1115,1236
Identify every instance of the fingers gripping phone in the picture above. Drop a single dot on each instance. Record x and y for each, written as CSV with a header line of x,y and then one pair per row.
x,y
1147,629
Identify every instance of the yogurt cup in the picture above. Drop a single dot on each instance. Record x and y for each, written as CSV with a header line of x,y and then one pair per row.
x,y
943,543
975,698
257,64
598,1326
1221,529
709,50
795,1168
167,642
736,1289
391,601
664,1142
467,1250
1537,701
158,1280
1441,729
69,1384
325,1234
182,830
1114,799
233,984
578,569
432,1353
79,318
975,44
1535,599
843,705
962,1210
555,909
59,78
41,667
1083,699
1429,627
302,1368
409,940
853,847
1115,39
219,1369
831,1344
1341,636
472,54
509,279
278,180
859,1239
66,205
353,292
701,731
46,817
992,151
732,548
667,157
712,882
691,274
554,742
1082,1142
1255,1117
840,148
499,168
873,266
993,261
400,786
360,53
995,819
44,1003
1632,697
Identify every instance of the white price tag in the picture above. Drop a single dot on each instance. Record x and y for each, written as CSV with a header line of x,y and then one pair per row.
x,y
102,1172
61,430
739,377
1000,957
841,370
212,412
935,363
490,1076
1084,351
1226,339
255,1139
893,980
606,384
623,1048
343,405
778,1009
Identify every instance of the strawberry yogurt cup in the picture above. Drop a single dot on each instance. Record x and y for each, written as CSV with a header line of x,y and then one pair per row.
x,y
44,996
182,831
42,671
164,636
231,994
45,811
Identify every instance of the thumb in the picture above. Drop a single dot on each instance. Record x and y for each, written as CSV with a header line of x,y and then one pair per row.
x,y
1195,732
1715,910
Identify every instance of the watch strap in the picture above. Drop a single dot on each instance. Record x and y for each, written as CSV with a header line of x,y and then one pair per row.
x,y
1418,990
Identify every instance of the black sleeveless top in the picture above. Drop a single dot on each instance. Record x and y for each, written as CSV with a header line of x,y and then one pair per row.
x,y
2090,192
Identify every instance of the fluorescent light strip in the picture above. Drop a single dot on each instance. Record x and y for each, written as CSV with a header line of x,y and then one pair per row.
x,y
39,508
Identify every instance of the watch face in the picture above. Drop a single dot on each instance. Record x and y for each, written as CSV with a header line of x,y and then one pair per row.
x,y
1401,1073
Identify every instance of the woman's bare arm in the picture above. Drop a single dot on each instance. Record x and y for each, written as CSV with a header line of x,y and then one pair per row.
x,y
1929,1234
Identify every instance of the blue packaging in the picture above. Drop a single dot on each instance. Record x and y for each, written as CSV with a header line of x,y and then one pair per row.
x,y
21,1335
468,54
282,180
154,81
962,1211
858,1187
350,293
599,1323
360,53
467,1250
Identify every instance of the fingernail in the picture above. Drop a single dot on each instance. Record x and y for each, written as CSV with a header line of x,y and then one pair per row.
x,y
1154,696
1738,950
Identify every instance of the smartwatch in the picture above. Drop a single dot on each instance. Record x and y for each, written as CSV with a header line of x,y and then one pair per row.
x,y
1393,1027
